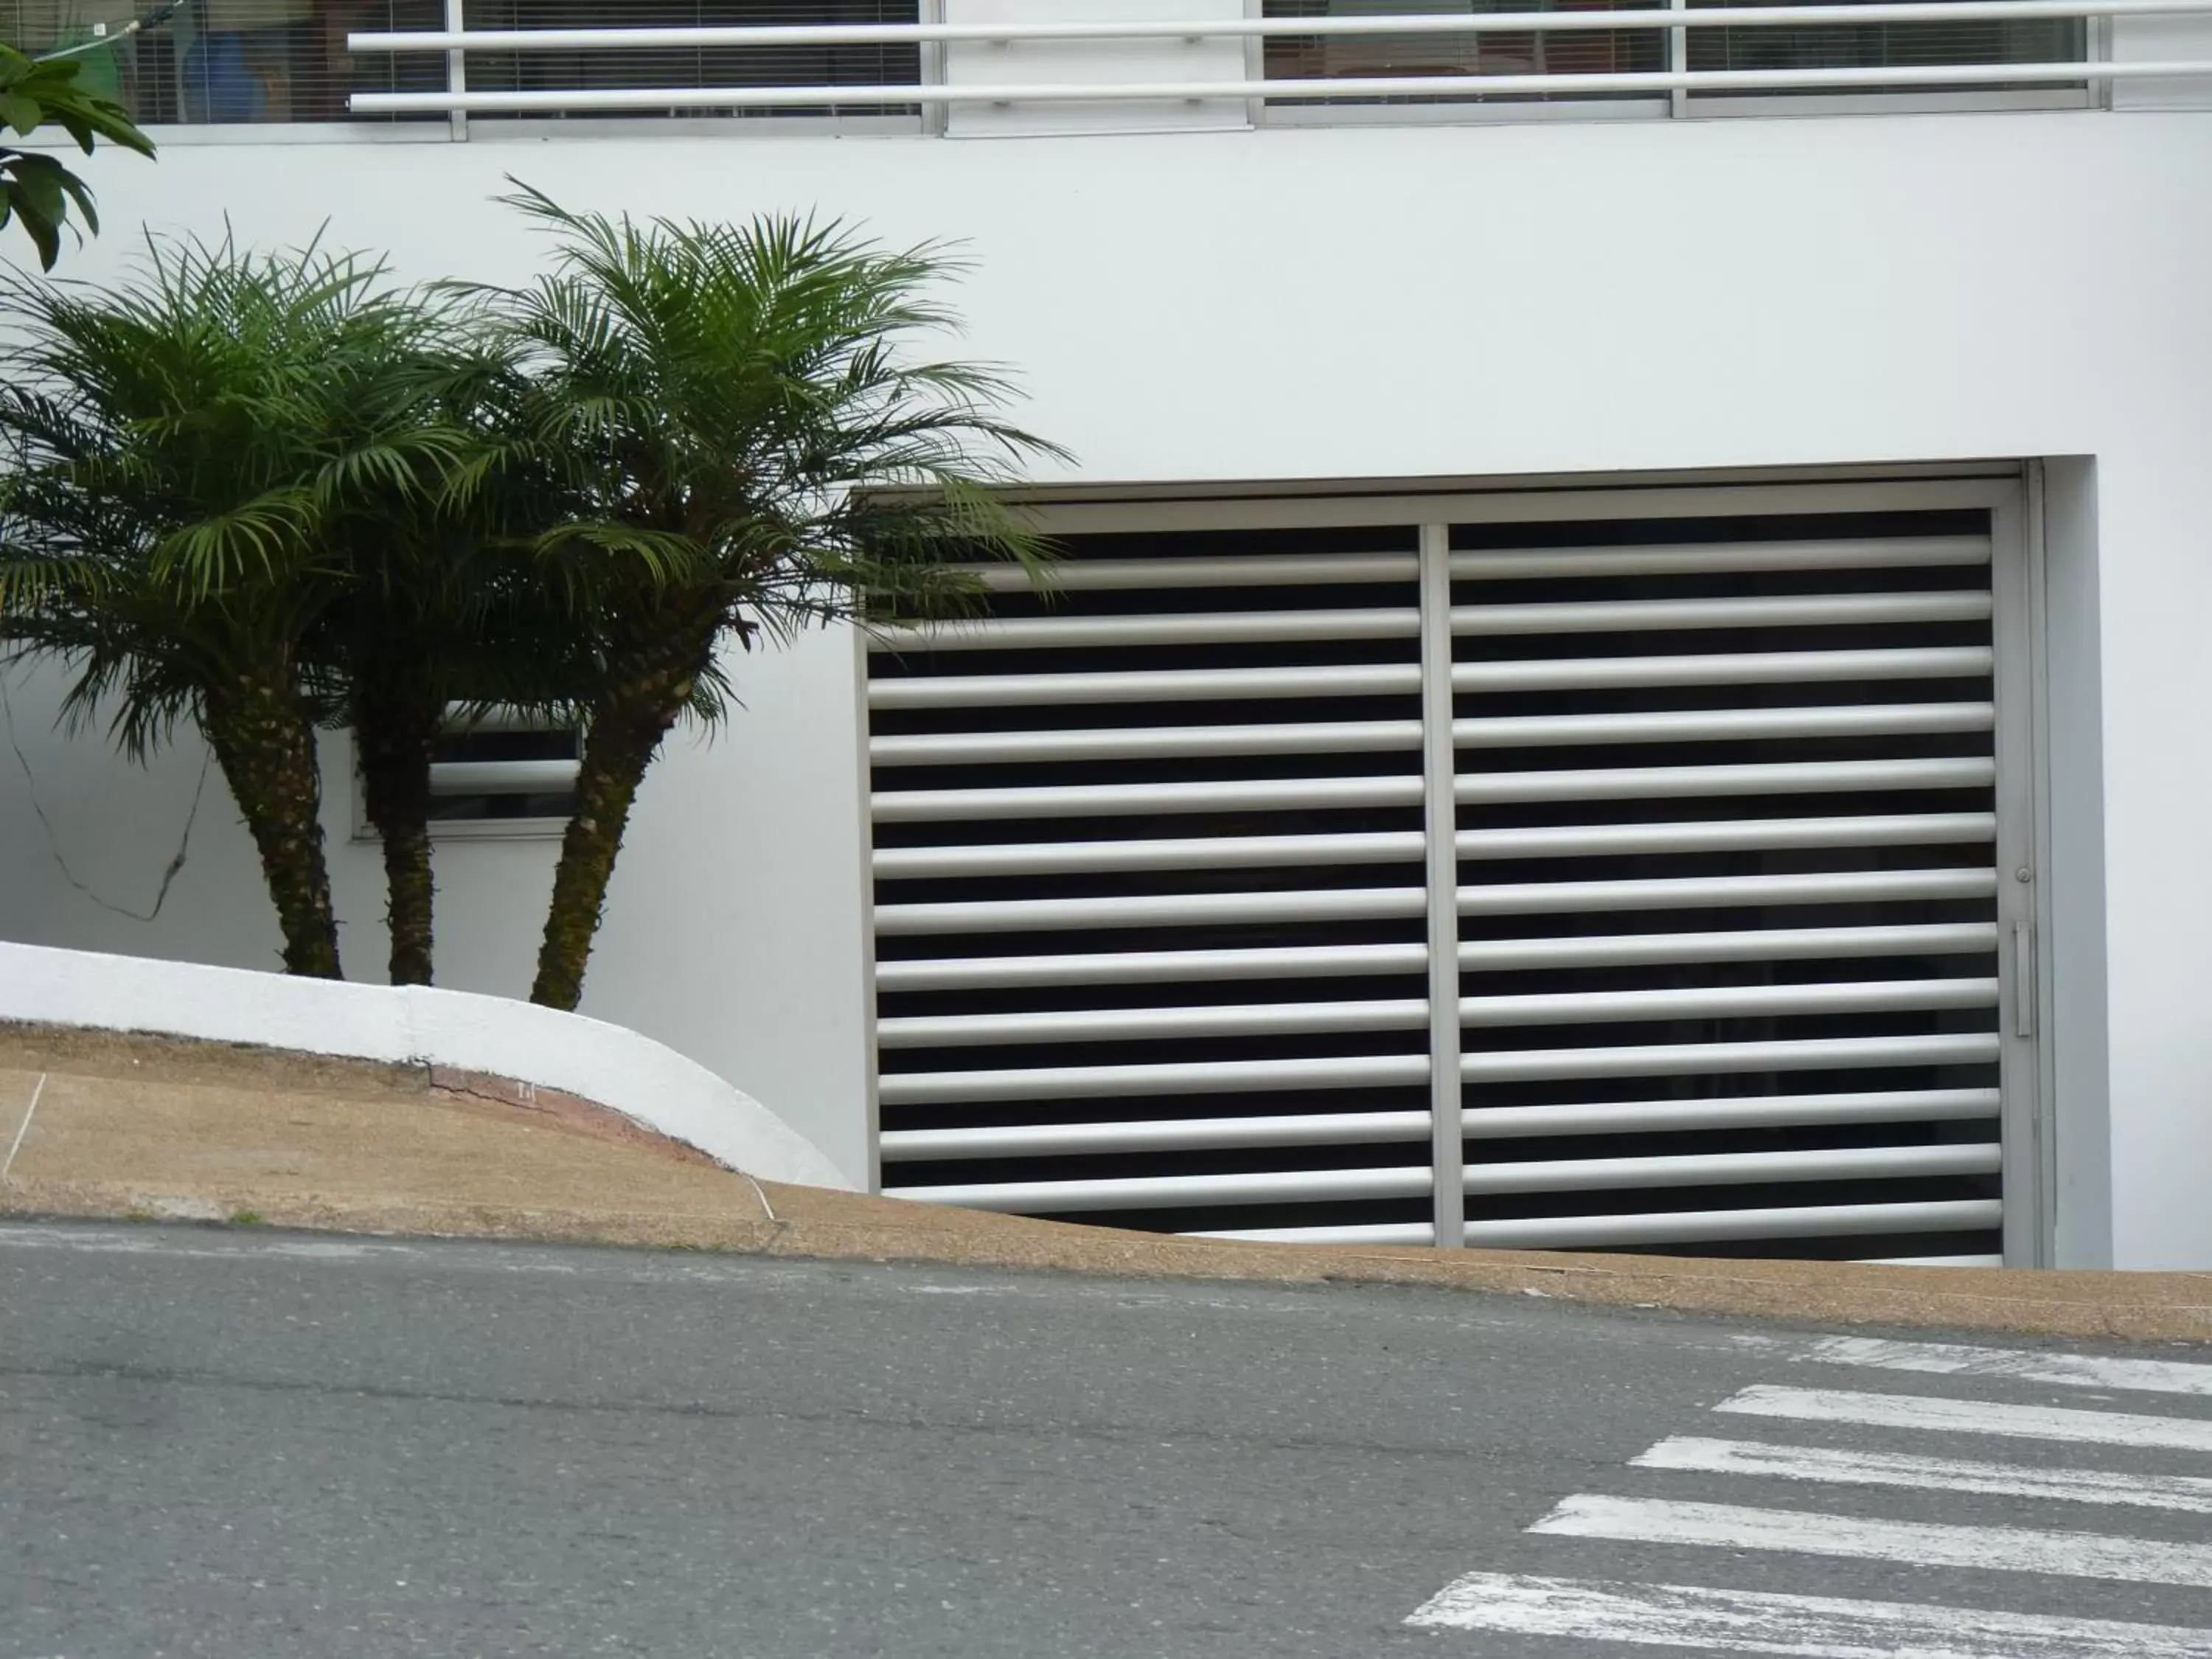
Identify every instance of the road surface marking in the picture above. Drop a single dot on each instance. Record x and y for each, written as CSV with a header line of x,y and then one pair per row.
x,y
24,1127
1918,1543
2073,1370
1805,1627
1904,1411
1857,1469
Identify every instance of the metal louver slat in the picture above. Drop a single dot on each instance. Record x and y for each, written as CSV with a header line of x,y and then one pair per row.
x,y
1346,737
1143,800
1148,967
1208,628
1122,968
1382,679
1165,685
1724,892
1068,857
1237,1077
1862,553
1681,1059
1678,1227
1781,778
1573,840
1032,916
1199,1077
1585,1232
1049,1197
1744,668
1341,904
1158,881
1254,570
1411,1013
1725,726
1108,1025
1515,1122
1284,794
1060,1197
1763,945
1651,615
1703,558
1307,738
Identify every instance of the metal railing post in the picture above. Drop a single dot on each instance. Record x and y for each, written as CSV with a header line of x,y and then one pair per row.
x,y
457,68
1440,822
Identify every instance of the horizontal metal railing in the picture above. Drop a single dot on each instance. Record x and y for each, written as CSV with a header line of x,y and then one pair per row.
x,y
1245,29
458,98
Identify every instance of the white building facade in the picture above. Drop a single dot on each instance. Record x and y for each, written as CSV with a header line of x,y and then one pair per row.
x,y
1630,663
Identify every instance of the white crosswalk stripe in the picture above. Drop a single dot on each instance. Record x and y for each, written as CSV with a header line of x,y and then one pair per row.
x,y
1902,1410
1803,1627
1922,1543
2079,1370
1718,1620
2188,1493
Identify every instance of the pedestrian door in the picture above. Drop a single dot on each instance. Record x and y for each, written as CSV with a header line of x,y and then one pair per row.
x,y
1725,953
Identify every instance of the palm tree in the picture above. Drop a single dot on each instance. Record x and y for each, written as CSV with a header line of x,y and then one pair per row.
x,y
747,448
442,612
178,460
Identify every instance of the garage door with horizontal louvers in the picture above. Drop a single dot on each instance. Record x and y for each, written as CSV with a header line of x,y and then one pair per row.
x,y
1150,907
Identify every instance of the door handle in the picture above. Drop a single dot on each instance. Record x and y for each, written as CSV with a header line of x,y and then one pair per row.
x,y
2023,980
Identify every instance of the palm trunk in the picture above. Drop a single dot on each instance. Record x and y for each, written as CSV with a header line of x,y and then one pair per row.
x,y
636,707
265,746
397,737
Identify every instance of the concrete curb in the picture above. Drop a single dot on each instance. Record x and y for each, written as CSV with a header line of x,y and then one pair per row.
x,y
2164,1308
138,1128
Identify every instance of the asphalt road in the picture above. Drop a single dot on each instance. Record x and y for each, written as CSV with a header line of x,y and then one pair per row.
x,y
266,1446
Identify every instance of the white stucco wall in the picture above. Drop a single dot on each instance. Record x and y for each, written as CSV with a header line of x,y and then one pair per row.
x,y
414,1024
1351,304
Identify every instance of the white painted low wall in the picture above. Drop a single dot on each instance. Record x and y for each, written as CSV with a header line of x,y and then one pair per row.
x,y
609,1064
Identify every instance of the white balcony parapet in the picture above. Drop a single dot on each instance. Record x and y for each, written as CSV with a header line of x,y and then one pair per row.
x,y
1437,87
457,99
1499,22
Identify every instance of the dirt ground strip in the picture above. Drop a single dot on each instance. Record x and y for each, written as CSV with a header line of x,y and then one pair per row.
x,y
156,1129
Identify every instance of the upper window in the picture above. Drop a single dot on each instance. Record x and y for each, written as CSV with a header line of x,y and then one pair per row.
x,y
226,61
1324,58
845,65
1602,51
503,774
1887,45
247,61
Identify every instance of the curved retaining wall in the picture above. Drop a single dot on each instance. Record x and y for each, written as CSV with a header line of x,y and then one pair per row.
x,y
610,1066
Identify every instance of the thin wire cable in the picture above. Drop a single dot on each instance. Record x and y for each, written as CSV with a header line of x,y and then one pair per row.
x,y
152,20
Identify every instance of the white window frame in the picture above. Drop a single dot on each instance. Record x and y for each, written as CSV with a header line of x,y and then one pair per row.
x,y
532,829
